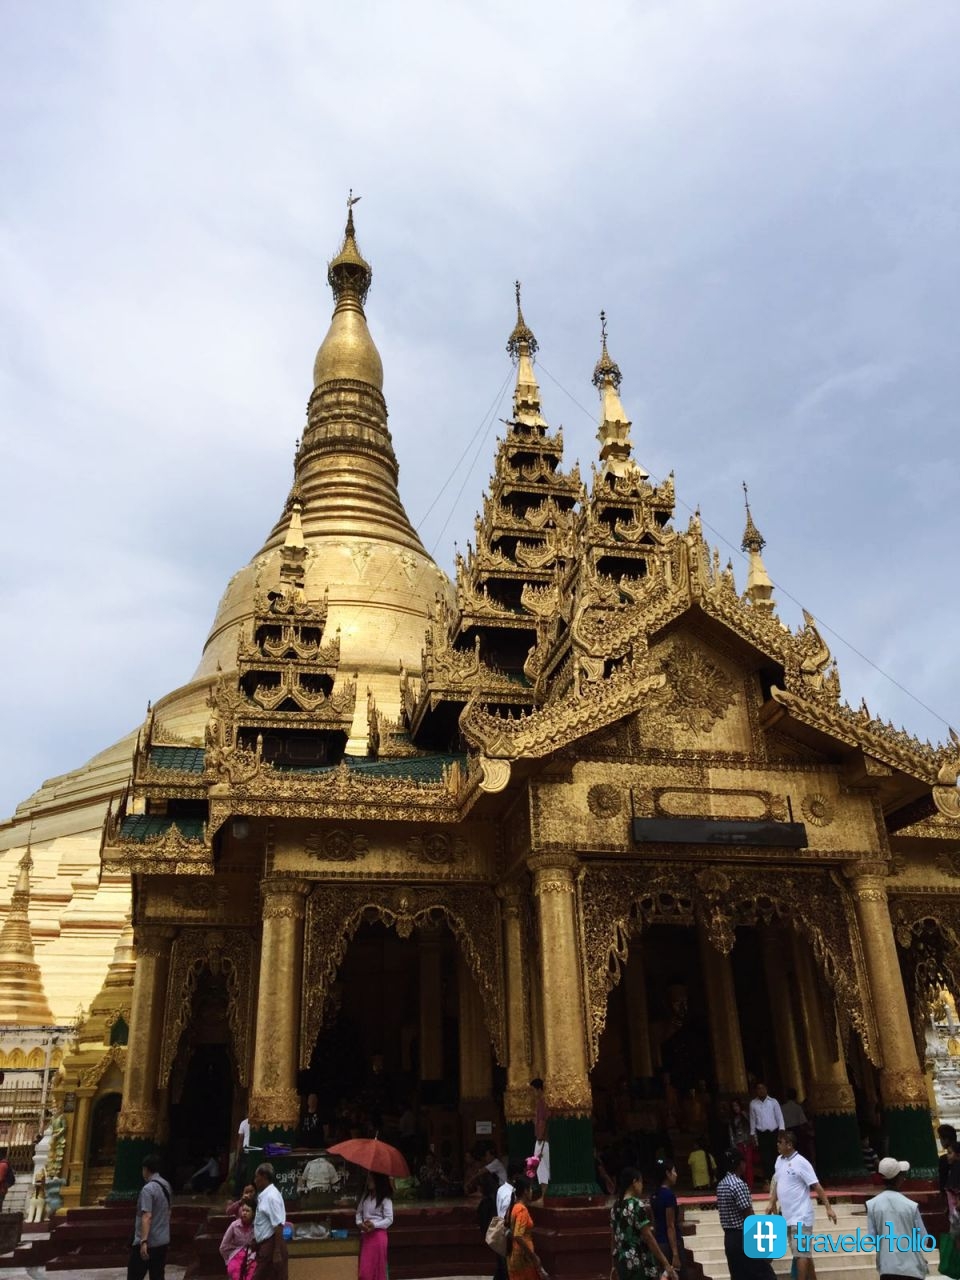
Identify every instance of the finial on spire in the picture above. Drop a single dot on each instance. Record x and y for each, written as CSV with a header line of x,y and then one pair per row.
x,y
753,539
606,371
522,335
349,271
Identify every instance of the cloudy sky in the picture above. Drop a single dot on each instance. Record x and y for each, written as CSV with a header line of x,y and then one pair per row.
x,y
763,196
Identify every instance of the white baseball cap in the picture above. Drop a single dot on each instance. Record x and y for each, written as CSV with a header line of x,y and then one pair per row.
x,y
889,1168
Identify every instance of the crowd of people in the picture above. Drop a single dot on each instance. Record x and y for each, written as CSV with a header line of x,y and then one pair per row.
x,y
765,1139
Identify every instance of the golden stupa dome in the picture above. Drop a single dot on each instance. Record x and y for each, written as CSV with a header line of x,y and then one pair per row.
x,y
362,553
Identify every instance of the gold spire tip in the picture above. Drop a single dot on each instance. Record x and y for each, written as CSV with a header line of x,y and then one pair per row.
x,y
522,334
349,271
753,539
606,371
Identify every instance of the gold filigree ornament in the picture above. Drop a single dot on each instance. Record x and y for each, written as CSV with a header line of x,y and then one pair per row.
x,y
946,796
604,800
818,810
701,693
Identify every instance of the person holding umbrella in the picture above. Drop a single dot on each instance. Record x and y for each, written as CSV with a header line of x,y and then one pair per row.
x,y
375,1206
374,1218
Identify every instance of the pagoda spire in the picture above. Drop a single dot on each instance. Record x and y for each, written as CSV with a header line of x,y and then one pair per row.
x,y
348,351
23,1000
614,431
759,585
345,468
522,347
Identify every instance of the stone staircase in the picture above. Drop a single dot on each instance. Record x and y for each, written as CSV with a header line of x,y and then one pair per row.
x,y
706,1245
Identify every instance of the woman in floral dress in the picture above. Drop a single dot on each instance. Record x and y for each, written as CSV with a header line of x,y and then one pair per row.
x,y
636,1254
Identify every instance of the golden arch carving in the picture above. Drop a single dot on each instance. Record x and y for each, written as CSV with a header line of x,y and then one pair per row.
x,y
222,951
928,931
619,901
335,913
91,1078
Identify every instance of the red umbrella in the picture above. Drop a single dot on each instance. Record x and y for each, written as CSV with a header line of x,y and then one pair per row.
x,y
372,1154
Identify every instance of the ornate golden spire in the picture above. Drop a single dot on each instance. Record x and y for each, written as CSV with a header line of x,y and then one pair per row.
x,y
23,1000
522,347
614,432
348,351
759,586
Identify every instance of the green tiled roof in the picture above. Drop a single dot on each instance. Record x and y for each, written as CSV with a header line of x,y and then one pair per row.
x,y
140,826
416,768
183,759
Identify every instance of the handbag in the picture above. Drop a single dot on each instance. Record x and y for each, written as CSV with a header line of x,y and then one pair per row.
x,y
496,1236
500,1232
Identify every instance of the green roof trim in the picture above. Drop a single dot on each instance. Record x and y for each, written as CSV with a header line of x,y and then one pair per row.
x,y
141,826
180,759
414,768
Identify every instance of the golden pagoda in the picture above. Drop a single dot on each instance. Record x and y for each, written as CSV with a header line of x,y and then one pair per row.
x,y
590,813
23,1001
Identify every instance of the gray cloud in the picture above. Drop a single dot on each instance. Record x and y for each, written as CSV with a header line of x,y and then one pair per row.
x,y
763,197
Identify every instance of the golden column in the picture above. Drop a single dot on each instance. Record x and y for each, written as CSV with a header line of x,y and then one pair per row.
x,y
79,1139
903,1086
274,1103
775,947
638,1014
476,1061
430,938
566,1082
829,1092
517,1098
137,1121
728,1064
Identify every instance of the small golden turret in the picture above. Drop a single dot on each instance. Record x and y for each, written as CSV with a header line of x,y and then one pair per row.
x,y
759,586
23,1001
522,347
614,432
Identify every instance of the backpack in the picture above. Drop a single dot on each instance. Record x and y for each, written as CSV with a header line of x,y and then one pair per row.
x,y
500,1232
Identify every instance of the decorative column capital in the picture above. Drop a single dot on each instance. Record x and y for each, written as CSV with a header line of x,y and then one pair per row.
x,y
284,899
152,940
136,1122
518,1104
903,1089
868,880
831,1098
554,872
511,895
274,1109
568,1093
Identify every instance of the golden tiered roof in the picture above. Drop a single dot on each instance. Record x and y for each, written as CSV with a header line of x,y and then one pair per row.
x,y
23,1001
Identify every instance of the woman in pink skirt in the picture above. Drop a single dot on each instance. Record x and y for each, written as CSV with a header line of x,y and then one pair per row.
x,y
374,1216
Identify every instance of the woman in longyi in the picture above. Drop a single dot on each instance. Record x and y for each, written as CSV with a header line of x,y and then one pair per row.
x,y
374,1217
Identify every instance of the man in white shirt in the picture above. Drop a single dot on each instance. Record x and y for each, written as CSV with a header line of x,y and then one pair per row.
x,y
766,1121
894,1210
268,1227
793,1180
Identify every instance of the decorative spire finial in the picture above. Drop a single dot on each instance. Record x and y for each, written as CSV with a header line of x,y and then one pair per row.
x,y
753,539
522,335
350,272
606,371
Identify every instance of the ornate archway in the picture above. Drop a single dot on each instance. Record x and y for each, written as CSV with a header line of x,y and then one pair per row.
x,y
226,954
335,912
618,901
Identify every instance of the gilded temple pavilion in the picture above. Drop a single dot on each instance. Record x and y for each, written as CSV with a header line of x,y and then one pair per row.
x,y
589,812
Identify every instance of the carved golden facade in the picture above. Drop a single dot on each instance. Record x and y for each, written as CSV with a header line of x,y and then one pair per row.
x,y
595,669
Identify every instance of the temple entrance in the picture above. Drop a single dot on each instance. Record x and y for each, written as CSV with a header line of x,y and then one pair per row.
x,y
398,1053
202,1083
